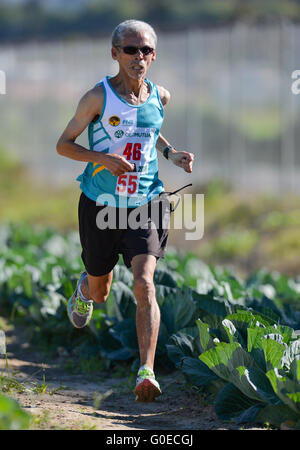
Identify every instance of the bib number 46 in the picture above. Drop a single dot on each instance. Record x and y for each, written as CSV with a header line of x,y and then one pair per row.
x,y
133,151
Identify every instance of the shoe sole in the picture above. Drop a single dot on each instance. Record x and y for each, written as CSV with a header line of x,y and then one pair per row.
x,y
70,299
69,316
68,312
146,392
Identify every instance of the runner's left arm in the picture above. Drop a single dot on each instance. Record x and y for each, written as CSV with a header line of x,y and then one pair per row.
x,y
179,158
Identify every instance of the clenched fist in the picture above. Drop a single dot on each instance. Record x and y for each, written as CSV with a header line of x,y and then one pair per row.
x,y
117,165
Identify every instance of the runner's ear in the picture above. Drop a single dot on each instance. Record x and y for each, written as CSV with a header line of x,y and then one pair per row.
x,y
114,53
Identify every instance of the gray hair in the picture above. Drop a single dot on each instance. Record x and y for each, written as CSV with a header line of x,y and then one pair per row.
x,y
131,26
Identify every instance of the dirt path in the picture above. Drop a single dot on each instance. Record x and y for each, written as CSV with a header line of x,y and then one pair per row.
x,y
102,403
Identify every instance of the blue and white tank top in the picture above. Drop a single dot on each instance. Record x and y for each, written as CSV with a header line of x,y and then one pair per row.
x,y
130,131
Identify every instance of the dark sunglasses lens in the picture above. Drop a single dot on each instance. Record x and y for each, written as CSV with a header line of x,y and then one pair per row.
x,y
133,50
130,50
146,50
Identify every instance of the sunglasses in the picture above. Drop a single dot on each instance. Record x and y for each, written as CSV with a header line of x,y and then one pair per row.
x,y
130,50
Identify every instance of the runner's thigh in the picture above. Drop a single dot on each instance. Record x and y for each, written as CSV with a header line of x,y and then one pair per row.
x,y
99,246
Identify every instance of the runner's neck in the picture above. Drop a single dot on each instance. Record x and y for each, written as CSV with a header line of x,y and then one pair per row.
x,y
135,92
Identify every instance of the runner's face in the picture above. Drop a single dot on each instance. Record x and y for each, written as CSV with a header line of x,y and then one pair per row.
x,y
135,66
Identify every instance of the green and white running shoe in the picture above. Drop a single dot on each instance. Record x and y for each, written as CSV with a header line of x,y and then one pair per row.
x,y
147,388
79,311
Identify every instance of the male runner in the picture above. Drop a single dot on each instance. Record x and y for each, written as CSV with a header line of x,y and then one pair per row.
x,y
124,114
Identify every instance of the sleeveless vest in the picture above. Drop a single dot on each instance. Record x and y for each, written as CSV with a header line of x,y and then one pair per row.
x,y
130,131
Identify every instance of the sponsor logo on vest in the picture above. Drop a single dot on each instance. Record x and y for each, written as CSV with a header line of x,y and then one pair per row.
x,y
114,121
119,133
127,122
145,134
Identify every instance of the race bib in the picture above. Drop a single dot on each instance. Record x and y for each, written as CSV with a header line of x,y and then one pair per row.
x,y
128,183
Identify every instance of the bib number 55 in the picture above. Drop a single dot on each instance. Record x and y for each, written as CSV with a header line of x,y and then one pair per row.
x,y
127,184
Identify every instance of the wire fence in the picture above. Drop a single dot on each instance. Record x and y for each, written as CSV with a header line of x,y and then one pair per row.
x,y
231,103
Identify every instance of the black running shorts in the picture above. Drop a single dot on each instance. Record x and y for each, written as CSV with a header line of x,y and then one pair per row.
x,y
145,232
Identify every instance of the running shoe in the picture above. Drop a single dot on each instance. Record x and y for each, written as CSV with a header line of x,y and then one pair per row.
x,y
147,388
79,311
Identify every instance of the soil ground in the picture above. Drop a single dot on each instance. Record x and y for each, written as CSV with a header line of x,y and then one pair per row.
x,y
61,400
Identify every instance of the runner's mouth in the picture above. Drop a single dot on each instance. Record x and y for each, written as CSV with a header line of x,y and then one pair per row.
x,y
137,68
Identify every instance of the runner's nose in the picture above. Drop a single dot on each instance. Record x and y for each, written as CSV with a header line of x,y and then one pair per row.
x,y
139,55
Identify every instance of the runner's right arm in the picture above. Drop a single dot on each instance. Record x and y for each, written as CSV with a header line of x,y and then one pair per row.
x,y
89,106
179,158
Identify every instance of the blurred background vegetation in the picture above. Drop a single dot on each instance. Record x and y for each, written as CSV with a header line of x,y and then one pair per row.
x,y
235,102
26,19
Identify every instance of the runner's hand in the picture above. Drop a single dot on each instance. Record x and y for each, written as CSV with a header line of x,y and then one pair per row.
x,y
117,165
182,159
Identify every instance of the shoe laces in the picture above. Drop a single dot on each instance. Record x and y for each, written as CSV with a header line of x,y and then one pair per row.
x,y
146,373
82,307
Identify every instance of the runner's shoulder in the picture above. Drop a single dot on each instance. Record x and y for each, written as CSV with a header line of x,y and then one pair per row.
x,y
164,95
92,101
94,95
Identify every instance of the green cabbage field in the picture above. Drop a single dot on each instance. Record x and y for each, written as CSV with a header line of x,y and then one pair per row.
x,y
237,339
